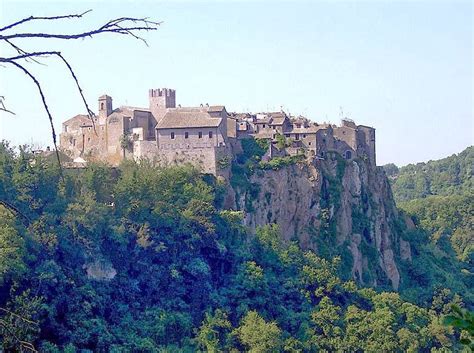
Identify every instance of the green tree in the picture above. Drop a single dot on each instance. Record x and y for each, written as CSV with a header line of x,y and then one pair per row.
x,y
257,335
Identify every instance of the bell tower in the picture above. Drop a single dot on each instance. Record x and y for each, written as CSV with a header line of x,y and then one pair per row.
x,y
105,106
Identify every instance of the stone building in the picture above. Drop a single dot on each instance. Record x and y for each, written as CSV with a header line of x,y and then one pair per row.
x,y
206,136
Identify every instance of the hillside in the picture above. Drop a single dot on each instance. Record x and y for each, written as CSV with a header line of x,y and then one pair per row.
x,y
439,196
444,177
146,259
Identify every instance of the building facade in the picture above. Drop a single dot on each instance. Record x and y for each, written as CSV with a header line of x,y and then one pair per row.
x,y
205,136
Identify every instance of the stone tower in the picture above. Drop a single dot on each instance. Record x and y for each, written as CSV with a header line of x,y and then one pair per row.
x,y
160,100
105,106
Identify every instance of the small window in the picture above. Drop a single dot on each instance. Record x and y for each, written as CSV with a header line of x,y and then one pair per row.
x,y
348,154
264,126
88,139
200,134
172,135
324,140
101,106
274,127
304,136
89,129
309,143
297,136
210,134
186,135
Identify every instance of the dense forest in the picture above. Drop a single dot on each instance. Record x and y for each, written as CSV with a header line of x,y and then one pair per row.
x,y
439,196
144,259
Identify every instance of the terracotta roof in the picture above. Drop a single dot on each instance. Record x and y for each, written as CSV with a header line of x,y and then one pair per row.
x,y
187,118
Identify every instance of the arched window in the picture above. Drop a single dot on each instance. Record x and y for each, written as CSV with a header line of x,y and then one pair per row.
x,y
101,106
348,155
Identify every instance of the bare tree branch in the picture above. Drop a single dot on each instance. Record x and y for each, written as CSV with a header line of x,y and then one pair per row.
x,y
26,56
43,99
34,18
128,26
123,25
2,106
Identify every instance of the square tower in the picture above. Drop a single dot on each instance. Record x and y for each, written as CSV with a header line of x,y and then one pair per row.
x,y
160,100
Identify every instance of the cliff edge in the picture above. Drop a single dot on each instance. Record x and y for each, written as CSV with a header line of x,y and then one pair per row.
x,y
333,206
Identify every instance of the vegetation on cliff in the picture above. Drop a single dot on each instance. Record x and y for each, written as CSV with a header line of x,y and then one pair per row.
x,y
142,259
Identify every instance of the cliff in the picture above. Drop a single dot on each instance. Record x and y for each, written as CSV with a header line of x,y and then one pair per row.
x,y
333,206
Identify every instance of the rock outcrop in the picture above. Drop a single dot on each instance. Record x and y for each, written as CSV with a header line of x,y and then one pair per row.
x,y
332,204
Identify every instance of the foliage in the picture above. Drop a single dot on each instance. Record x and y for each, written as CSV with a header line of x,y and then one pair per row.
x,y
186,275
280,162
464,320
449,176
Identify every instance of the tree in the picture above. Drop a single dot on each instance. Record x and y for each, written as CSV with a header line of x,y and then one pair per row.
x,y
12,37
258,335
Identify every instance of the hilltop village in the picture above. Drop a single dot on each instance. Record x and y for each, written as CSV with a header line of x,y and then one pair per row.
x,y
204,136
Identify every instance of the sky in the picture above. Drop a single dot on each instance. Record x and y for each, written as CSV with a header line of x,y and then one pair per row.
x,y
403,67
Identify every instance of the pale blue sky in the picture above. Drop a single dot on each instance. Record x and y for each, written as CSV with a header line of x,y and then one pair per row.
x,y
405,68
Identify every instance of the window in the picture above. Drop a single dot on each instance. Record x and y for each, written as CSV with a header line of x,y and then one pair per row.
x,y
348,154
200,134
324,140
101,106
264,126
210,134
297,136
88,139
304,136
186,135
172,135
309,143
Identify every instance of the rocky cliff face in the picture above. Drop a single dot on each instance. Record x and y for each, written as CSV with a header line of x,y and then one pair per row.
x,y
335,207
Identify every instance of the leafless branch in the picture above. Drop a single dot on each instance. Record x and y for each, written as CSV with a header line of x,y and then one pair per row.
x,y
43,99
25,55
122,25
128,26
2,106
34,18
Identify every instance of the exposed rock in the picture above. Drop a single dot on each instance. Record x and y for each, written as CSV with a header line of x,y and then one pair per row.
x,y
357,258
354,195
405,250
100,270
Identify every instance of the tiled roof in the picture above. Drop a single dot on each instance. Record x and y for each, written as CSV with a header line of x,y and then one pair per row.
x,y
80,117
279,120
215,108
187,118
